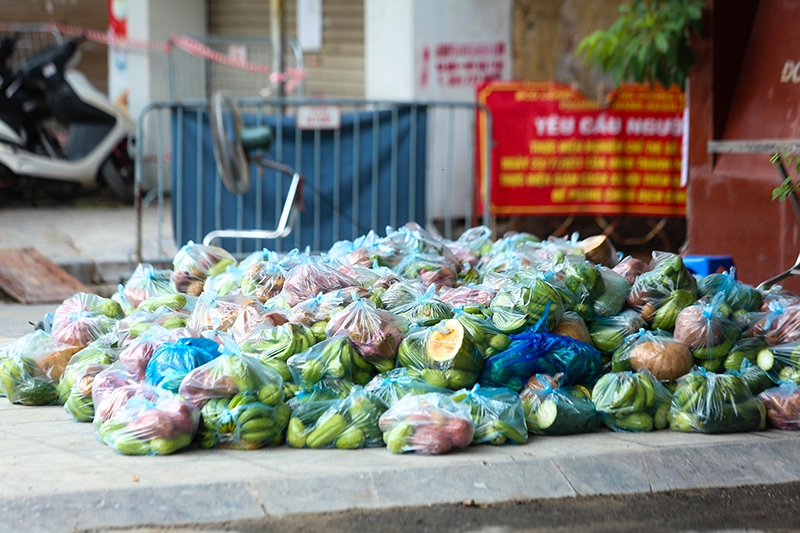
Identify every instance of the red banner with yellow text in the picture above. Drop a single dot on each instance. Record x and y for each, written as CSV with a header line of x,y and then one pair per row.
x,y
555,152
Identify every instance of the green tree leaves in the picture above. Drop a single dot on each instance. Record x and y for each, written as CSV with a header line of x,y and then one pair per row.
x,y
649,42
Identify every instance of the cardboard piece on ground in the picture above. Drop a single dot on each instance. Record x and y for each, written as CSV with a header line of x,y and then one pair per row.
x,y
31,278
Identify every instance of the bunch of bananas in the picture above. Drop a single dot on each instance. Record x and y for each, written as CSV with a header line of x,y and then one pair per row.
x,y
336,358
24,383
629,401
348,423
715,403
247,421
497,415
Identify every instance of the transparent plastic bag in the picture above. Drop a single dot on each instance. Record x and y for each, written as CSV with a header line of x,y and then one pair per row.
x,y
152,421
85,317
326,390
252,318
375,333
779,325
402,293
754,377
31,367
280,342
471,245
715,403
137,323
487,338
428,424
429,269
612,300
608,333
412,239
78,403
585,283
97,353
662,355
173,301
783,405
147,282
347,423
111,389
747,348
572,325
194,263
781,363
312,276
524,300
264,280
497,415
708,332
659,295
425,310
218,313
263,255
335,357
631,268
393,385
532,352
632,401
444,355
172,361
467,295
225,283
741,298
246,421
551,409
317,311
230,374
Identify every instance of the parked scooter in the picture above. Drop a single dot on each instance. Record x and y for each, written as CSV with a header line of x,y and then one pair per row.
x,y
48,89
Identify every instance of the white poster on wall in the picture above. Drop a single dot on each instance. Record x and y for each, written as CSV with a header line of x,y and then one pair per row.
x,y
309,25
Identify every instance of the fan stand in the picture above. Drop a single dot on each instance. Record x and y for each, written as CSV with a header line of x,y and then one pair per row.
x,y
234,151
285,221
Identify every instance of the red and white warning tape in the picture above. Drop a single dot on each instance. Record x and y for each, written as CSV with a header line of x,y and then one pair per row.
x,y
290,76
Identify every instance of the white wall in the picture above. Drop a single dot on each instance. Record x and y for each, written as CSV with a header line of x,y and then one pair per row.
x,y
438,50
156,20
388,54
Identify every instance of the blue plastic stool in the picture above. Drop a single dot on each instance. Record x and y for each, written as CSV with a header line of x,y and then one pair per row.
x,y
703,265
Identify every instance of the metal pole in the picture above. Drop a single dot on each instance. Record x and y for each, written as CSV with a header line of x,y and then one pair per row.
x,y
277,30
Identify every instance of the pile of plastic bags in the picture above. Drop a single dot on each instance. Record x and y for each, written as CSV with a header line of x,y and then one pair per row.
x,y
414,343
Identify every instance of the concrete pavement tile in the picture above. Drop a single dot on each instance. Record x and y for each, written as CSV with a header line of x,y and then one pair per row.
x,y
725,465
619,473
327,493
483,483
175,505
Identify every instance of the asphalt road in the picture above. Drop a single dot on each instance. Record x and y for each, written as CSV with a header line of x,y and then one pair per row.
x,y
757,509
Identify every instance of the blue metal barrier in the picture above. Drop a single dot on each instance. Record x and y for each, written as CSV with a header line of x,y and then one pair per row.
x,y
368,174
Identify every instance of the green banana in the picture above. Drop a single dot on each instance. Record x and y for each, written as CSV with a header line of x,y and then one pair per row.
x,y
639,422
327,431
296,435
398,437
351,438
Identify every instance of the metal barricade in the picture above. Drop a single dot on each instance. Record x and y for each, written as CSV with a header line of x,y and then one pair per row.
x,y
406,163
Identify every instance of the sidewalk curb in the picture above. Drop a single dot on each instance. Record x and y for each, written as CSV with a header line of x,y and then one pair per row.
x,y
764,459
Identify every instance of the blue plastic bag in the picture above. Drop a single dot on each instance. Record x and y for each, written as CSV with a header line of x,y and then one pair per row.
x,y
173,360
532,352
